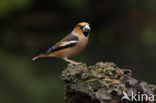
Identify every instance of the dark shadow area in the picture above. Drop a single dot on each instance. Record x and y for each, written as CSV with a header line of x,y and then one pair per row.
x,y
123,32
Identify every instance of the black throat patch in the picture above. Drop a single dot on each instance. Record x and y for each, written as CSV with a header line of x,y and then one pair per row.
x,y
85,34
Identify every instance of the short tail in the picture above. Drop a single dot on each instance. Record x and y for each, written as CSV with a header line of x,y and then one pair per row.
x,y
40,56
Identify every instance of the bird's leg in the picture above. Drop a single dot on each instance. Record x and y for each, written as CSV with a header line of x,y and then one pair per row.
x,y
72,62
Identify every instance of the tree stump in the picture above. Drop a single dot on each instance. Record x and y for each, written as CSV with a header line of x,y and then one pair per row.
x,y
105,83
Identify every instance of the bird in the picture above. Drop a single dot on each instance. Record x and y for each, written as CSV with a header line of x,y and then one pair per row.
x,y
71,45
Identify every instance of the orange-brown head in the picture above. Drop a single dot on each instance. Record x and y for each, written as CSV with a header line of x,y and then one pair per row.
x,y
82,28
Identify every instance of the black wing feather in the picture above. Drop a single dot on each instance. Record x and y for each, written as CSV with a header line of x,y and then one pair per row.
x,y
56,48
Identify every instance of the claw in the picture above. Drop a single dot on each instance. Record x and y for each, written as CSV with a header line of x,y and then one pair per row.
x,y
76,63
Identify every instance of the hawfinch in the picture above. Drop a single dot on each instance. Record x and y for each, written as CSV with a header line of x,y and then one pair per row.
x,y
71,45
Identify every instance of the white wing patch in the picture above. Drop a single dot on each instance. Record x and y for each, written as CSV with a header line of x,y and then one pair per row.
x,y
68,43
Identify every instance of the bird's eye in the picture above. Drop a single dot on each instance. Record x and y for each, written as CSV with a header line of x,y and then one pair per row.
x,y
81,27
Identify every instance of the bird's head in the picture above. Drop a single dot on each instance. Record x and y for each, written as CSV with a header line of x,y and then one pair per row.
x,y
82,28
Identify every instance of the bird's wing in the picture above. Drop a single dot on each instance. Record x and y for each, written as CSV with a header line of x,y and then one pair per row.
x,y
69,41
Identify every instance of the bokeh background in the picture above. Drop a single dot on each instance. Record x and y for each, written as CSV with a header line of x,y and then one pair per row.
x,y
123,32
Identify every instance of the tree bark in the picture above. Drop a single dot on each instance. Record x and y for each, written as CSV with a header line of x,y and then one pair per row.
x,y
104,83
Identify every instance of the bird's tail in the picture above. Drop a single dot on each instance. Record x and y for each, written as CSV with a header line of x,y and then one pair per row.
x,y
40,56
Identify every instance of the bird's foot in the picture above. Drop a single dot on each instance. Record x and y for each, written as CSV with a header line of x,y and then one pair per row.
x,y
74,63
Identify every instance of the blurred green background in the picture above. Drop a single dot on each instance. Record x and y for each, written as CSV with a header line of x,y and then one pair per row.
x,y
123,31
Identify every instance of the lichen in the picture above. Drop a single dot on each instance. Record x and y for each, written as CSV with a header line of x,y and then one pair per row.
x,y
102,81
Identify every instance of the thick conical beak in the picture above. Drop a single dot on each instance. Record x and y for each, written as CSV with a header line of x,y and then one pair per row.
x,y
86,28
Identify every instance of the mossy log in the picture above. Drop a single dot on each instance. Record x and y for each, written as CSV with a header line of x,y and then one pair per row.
x,y
102,83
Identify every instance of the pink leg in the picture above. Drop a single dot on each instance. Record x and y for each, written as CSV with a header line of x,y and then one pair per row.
x,y
72,62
